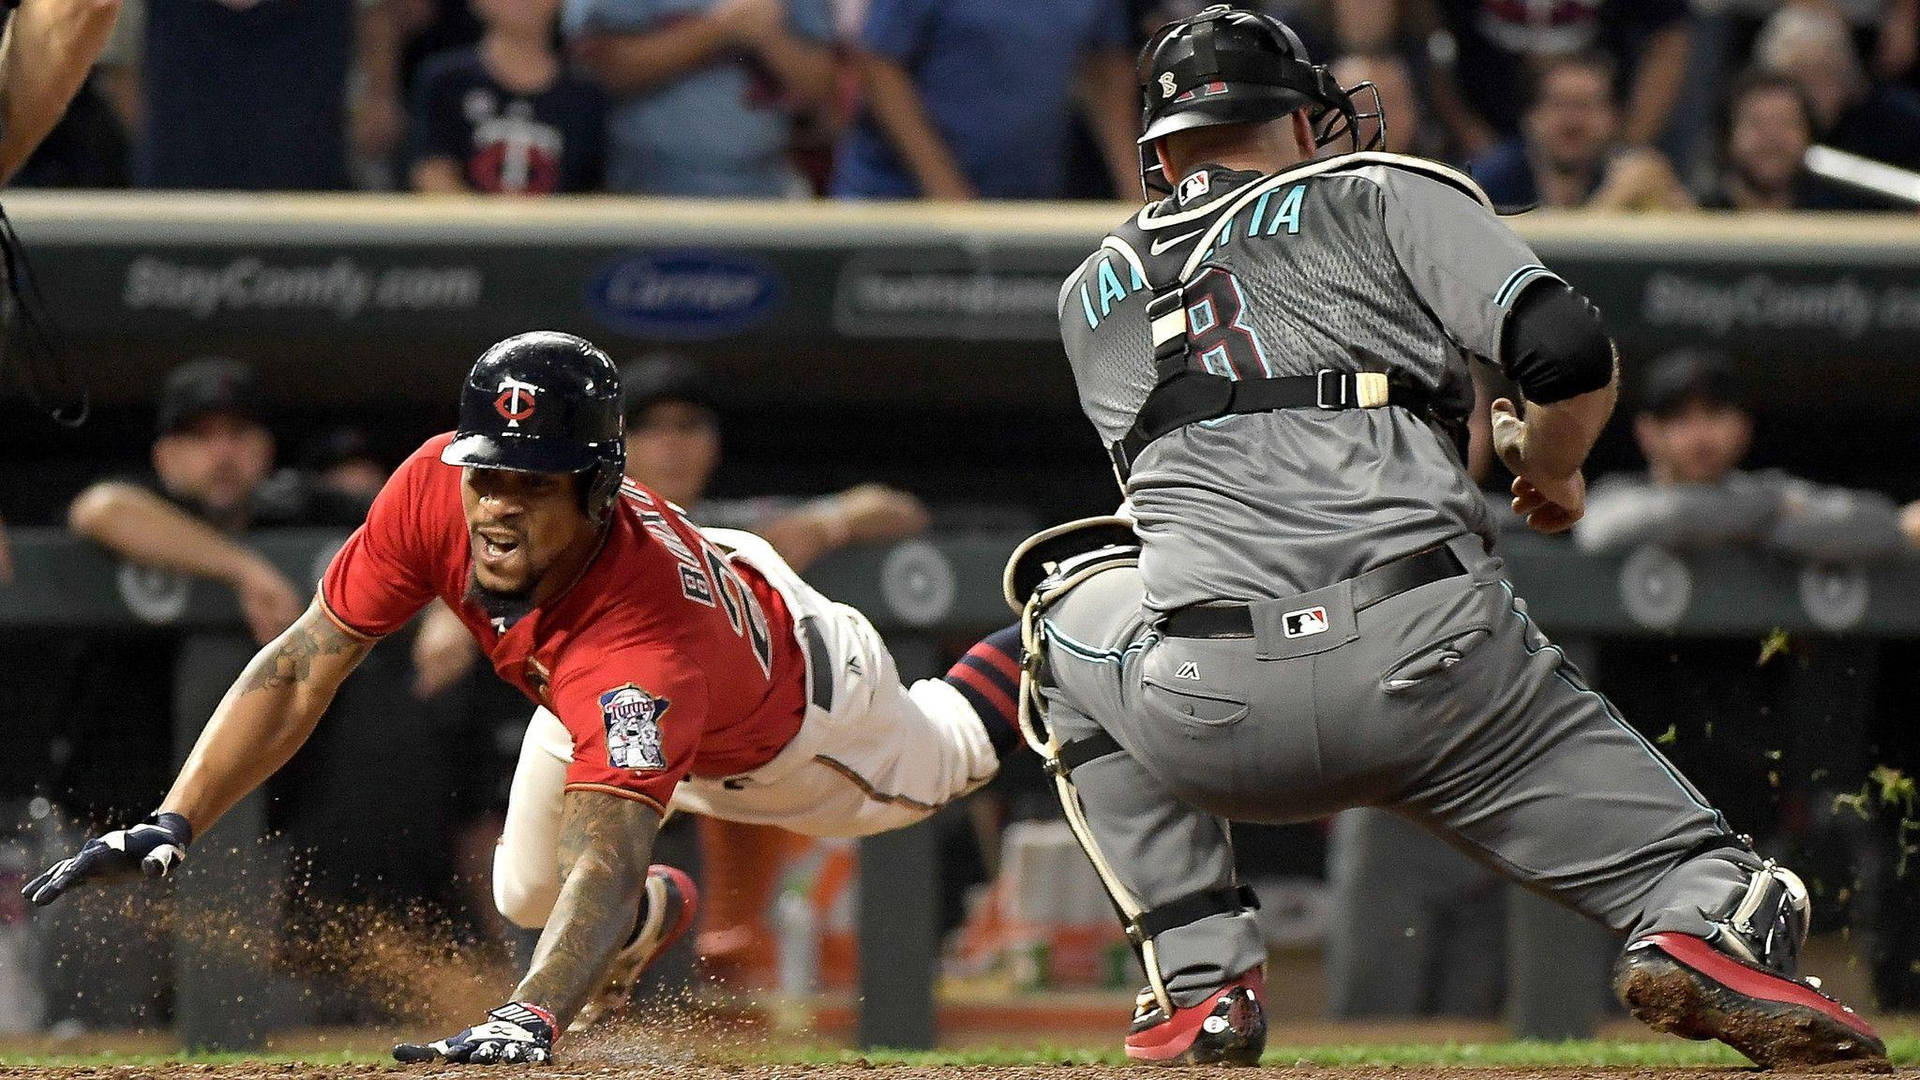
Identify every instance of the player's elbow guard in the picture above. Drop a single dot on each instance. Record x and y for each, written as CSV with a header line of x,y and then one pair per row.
x,y
1556,344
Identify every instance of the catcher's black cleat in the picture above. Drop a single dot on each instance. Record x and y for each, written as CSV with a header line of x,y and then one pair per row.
x,y
1228,1027
1683,985
666,912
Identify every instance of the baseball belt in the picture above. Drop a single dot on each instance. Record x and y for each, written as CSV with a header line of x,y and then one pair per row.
x,y
1383,582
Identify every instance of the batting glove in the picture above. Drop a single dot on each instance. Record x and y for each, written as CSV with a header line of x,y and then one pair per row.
x,y
514,1033
153,847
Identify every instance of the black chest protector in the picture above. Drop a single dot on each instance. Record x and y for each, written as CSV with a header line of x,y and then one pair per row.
x,y
1184,391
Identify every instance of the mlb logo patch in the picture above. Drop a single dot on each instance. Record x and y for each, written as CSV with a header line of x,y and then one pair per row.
x,y
632,717
1195,186
1304,623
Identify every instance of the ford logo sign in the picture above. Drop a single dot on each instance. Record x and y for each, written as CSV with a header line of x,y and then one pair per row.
x,y
684,295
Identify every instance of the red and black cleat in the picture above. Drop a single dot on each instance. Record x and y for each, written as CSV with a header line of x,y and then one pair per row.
x,y
1229,1027
1681,984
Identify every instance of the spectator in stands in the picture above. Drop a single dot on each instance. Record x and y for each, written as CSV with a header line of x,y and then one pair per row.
x,y
1694,429
1569,153
969,99
1399,99
212,479
703,91
506,116
252,94
1769,126
1852,111
49,48
89,147
1491,43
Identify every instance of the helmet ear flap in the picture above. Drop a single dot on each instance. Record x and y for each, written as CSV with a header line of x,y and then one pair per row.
x,y
599,487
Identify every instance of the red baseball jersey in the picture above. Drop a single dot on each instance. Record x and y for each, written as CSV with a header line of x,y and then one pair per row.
x,y
664,658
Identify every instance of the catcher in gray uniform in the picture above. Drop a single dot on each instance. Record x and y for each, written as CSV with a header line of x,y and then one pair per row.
x,y
1275,354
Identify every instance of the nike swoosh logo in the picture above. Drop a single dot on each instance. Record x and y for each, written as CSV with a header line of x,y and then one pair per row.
x,y
1159,246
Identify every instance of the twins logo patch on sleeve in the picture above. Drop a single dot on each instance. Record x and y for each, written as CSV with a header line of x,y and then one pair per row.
x,y
632,717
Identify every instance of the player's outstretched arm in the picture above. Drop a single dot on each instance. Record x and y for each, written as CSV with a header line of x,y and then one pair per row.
x,y
605,842
49,47
267,715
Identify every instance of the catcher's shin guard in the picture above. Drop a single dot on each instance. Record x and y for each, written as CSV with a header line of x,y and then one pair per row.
x,y
1228,1027
1742,986
666,912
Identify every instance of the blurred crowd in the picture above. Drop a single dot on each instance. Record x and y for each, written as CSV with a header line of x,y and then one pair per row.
x,y
1603,103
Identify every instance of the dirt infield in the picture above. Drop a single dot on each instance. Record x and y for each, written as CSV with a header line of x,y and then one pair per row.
x,y
587,1069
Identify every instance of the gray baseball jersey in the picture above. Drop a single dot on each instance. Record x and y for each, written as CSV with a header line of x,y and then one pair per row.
x,y
1362,263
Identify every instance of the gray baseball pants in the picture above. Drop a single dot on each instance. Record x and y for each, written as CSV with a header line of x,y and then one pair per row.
x,y
1443,704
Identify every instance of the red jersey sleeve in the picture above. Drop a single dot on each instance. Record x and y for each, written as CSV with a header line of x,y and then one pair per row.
x,y
381,576
636,716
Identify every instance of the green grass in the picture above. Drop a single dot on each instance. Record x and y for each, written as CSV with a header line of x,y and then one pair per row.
x,y
1662,1053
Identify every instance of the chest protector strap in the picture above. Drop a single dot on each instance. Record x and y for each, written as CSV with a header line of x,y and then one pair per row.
x,y
1182,396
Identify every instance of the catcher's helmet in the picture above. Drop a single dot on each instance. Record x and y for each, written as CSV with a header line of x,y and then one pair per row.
x,y
544,402
1229,66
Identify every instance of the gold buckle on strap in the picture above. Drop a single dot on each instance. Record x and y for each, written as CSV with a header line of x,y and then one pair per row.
x,y
1370,389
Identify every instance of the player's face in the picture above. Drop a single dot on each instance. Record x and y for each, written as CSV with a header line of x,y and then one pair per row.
x,y
1700,444
1574,121
1769,138
217,461
673,448
519,525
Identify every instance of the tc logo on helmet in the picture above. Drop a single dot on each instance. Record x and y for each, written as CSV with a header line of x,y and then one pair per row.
x,y
515,402
1167,85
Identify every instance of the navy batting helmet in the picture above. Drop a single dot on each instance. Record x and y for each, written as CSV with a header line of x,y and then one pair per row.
x,y
544,402
1229,66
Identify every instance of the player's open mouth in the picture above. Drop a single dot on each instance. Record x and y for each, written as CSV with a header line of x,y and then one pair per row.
x,y
497,547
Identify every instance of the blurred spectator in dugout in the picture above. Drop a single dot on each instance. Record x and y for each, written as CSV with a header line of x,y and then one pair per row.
x,y
1483,52
1694,429
673,447
344,459
1769,127
704,91
507,116
1852,111
1569,153
968,99
212,479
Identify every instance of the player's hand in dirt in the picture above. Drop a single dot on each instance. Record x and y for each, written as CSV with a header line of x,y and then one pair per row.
x,y
1548,504
515,1033
153,848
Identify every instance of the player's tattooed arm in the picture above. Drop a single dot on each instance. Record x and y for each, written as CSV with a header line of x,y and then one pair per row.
x,y
289,659
266,716
605,842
